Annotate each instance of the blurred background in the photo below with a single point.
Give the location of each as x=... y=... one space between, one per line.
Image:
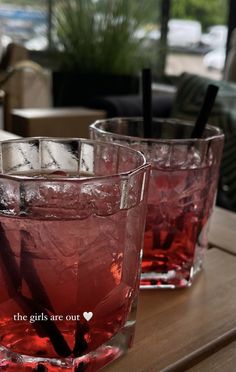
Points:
x=176 y=36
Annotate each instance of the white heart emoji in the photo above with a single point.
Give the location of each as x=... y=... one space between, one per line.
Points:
x=88 y=315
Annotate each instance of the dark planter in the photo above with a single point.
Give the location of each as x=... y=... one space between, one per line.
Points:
x=75 y=89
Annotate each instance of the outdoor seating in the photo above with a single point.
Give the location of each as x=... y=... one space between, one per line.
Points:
x=25 y=83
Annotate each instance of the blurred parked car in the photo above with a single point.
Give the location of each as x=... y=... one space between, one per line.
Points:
x=216 y=36
x=215 y=59
x=6 y=40
x=37 y=43
x=181 y=33
x=184 y=33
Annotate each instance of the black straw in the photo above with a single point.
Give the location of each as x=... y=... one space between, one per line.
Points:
x=205 y=111
x=147 y=101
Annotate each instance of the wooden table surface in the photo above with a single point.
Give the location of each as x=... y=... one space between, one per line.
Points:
x=222 y=232
x=191 y=329
x=222 y=361
x=195 y=328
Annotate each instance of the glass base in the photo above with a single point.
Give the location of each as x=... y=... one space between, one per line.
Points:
x=181 y=278
x=169 y=280
x=91 y=362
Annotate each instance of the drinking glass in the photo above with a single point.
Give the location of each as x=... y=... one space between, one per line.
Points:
x=181 y=195
x=72 y=217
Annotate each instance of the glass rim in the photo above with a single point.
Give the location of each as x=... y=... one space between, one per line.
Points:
x=184 y=141
x=123 y=174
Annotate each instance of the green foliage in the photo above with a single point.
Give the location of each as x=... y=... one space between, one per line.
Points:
x=24 y=2
x=98 y=39
x=145 y=11
x=207 y=12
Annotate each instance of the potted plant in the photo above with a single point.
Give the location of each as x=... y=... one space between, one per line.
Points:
x=100 y=54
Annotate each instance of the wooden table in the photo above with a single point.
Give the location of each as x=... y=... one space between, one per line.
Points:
x=222 y=233
x=191 y=329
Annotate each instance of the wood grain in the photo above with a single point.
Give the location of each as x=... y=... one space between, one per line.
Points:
x=222 y=232
x=224 y=360
x=173 y=324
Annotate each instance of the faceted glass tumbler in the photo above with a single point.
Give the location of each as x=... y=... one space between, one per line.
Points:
x=183 y=182
x=72 y=217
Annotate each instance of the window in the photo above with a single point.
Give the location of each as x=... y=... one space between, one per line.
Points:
x=177 y=35
x=197 y=37
x=24 y=22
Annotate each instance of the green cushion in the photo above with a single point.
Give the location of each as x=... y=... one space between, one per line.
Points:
x=189 y=97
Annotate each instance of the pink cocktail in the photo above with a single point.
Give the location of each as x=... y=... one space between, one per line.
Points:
x=182 y=189
x=71 y=230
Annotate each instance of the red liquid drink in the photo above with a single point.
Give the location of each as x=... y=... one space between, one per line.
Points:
x=73 y=258
x=181 y=194
x=70 y=264
x=179 y=206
